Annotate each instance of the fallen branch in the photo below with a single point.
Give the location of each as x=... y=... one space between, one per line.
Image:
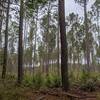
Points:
x=41 y=98
x=67 y=94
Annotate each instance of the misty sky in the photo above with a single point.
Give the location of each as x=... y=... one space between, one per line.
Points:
x=71 y=6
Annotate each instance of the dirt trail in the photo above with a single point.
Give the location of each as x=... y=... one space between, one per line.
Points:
x=55 y=94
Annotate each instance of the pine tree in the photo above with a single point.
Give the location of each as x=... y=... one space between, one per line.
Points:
x=64 y=49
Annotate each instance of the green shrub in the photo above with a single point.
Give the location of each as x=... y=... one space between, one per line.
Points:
x=35 y=81
x=28 y=80
x=84 y=76
x=57 y=81
x=88 y=82
x=72 y=78
x=52 y=81
x=38 y=80
x=89 y=85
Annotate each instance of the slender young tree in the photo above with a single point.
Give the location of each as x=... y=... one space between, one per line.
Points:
x=64 y=49
x=1 y=17
x=58 y=46
x=35 y=37
x=47 y=44
x=97 y=5
x=6 y=42
x=86 y=31
x=58 y=50
x=0 y=33
x=87 y=36
x=20 y=45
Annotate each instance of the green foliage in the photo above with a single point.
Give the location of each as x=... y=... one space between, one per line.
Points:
x=28 y=80
x=72 y=77
x=35 y=81
x=52 y=81
x=88 y=82
x=32 y=4
x=89 y=85
x=38 y=80
x=84 y=76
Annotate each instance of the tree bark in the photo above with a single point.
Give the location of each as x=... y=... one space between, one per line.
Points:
x=98 y=28
x=64 y=47
x=1 y=18
x=87 y=36
x=6 y=42
x=20 y=45
x=58 y=49
x=47 y=44
x=35 y=39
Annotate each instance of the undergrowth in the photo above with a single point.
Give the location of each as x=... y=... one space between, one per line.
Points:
x=38 y=80
x=89 y=81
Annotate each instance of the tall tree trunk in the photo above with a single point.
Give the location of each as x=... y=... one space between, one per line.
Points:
x=25 y=39
x=1 y=20
x=92 y=62
x=79 y=60
x=20 y=45
x=1 y=16
x=58 y=51
x=34 y=58
x=64 y=47
x=31 y=51
x=6 y=42
x=87 y=36
x=47 y=44
x=98 y=29
x=0 y=33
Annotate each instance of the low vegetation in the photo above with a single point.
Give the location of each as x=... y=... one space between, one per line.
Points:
x=48 y=52
x=9 y=90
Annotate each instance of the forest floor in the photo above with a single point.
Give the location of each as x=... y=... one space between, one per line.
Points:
x=9 y=90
